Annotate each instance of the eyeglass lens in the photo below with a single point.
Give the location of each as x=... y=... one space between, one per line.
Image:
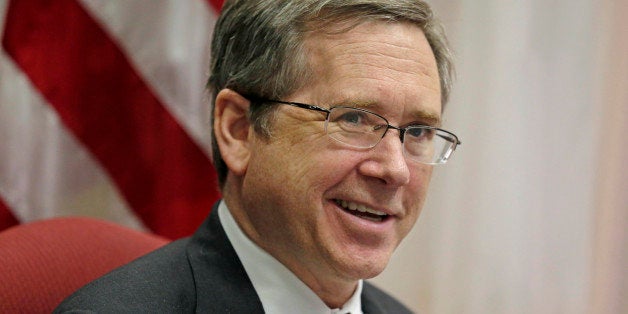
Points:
x=363 y=129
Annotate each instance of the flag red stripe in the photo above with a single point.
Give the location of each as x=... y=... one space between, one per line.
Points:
x=6 y=217
x=216 y=4
x=83 y=74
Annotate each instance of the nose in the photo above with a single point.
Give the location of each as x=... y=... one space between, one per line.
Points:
x=387 y=162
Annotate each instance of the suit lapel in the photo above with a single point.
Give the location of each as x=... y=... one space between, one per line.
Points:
x=222 y=285
x=370 y=305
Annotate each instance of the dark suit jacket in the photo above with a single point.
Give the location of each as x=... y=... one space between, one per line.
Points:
x=201 y=274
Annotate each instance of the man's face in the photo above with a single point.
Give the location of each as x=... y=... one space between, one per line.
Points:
x=297 y=182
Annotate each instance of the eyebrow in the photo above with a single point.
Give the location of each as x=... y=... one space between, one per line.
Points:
x=427 y=118
x=421 y=116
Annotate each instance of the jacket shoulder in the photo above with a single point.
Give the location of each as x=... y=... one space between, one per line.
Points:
x=159 y=282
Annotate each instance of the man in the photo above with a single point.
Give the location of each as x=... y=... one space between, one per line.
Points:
x=326 y=117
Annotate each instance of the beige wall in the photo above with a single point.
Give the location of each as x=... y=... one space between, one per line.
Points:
x=531 y=214
x=610 y=273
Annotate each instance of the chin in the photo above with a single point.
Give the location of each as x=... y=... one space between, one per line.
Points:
x=364 y=267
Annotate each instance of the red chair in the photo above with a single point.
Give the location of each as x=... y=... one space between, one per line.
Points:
x=41 y=263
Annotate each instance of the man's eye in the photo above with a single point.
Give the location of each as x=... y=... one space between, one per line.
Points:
x=418 y=132
x=355 y=118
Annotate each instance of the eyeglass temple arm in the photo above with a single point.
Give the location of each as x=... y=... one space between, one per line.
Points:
x=291 y=103
x=300 y=105
x=456 y=141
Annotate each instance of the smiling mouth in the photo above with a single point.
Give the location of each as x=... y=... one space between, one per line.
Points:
x=362 y=211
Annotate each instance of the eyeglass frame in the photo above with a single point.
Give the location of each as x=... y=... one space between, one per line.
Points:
x=402 y=130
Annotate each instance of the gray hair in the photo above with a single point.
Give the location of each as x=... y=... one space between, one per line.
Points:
x=257 y=49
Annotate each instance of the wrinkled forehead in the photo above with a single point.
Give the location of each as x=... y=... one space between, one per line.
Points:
x=374 y=64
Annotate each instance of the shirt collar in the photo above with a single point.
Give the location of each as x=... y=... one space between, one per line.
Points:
x=277 y=287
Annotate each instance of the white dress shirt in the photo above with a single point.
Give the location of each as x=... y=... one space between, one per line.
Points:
x=277 y=287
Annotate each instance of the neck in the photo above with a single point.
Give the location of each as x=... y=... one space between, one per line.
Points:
x=333 y=290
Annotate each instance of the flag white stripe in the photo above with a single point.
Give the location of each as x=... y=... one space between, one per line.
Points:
x=44 y=171
x=167 y=42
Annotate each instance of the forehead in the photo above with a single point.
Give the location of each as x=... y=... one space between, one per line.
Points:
x=381 y=65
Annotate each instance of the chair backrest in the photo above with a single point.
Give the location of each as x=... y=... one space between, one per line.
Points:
x=43 y=262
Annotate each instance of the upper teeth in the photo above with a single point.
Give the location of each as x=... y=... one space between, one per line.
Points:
x=360 y=208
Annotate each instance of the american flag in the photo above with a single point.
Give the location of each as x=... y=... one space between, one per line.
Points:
x=103 y=112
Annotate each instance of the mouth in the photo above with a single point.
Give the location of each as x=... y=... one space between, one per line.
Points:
x=362 y=211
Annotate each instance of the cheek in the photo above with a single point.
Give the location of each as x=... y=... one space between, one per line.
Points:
x=421 y=177
x=317 y=164
x=294 y=170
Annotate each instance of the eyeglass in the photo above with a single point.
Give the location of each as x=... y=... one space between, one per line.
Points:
x=360 y=128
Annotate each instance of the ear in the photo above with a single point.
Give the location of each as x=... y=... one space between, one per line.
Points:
x=231 y=129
